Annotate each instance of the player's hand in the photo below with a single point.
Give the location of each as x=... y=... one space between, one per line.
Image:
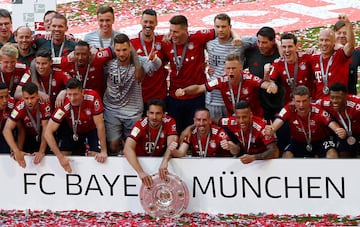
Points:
x=237 y=41
x=146 y=179
x=211 y=71
x=341 y=133
x=44 y=97
x=65 y=163
x=225 y=144
x=59 y=102
x=163 y=171
x=344 y=17
x=180 y=92
x=153 y=54
x=247 y=158
x=272 y=89
x=101 y=157
x=19 y=157
x=269 y=130
x=38 y=156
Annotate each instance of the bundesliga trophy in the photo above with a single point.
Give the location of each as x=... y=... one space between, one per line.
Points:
x=168 y=198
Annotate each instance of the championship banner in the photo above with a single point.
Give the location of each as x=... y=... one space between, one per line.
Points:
x=31 y=13
x=215 y=185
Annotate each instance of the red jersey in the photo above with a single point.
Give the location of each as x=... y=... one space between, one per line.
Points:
x=154 y=85
x=253 y=141
x=319 y=120
x=352 y=110
x=95 y=76
x=193 y=64
x=303 y=77
x=4 y=114
x=13 y=79
x=249 y=91
x=58 y=83
x=19 y=113
x=214 y=149
x=83 y=114
x=338 y=71
x=146 y=136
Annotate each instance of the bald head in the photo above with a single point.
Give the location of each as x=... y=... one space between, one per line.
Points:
x=326 y=42
x=23 y=37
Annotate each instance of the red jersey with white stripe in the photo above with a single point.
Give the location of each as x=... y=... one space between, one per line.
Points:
x=214 y=149
x=58 y=83
x=4 y=114
x=338 y=71
x=352 y=109
x=154 y=85
x=193 y=68
x=145 y=135
x=249 y=91
x=19 y=113
x=13 y=79
x=95 y=78
x=303 y=77
x=319 y=120
x=256 y=135
x=90 y=106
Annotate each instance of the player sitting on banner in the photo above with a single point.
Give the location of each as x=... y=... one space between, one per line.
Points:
x=83 y=113
x=205 y=139
x=30 y=116
x=248 y=131
x=153 y=135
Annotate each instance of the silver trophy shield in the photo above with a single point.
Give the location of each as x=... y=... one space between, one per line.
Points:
x=168 y=198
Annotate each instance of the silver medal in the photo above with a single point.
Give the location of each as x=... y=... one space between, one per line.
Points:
x=75 y=137
x=309 y=147
x=37 y=138
x=326 y=90
x=351 y=140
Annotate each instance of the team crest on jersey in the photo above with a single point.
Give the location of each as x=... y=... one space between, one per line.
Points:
x=14 y=114
x=302 y=66
x=157 y=46
x=59 y=114
x=212 y=144
x=173 y=127
x=97 y=105
x=191 y=46
x=135 y=131
x=88 y=112
x=139 y=51
x=53 y=83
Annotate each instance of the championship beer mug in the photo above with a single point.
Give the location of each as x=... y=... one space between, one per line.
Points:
x=168 y=198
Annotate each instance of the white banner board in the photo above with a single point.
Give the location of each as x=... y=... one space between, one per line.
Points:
x=216 y=185
x=30 y=12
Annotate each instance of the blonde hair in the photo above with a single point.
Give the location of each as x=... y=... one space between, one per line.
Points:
x=9 y=50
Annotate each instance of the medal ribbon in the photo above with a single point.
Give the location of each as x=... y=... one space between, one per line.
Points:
x=152 y=148
x=36 y=124
x=292 y=83
x=325 y=75
x=203 y=153
x=176 y=60
x=249 y=140
x=73 y=122
x=53 y=49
